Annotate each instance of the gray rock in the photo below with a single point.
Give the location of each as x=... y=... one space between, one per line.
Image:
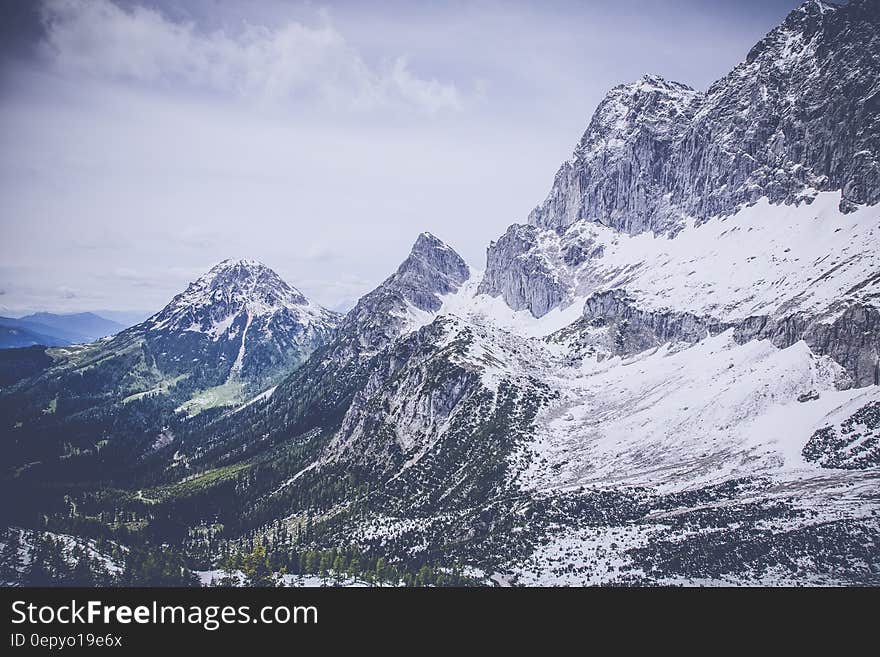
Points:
x=852 y=338
x=801 y=113
x=522 y=273
x=632 y=329
x=619 y=173
x=431 y=270
x=411 y=390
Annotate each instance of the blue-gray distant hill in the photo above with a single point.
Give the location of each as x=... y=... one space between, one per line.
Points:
x=55 y=330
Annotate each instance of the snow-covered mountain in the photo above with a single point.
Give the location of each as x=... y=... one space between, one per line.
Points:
x=753 y=204
x=670 y=373
x=241 y=317
x=798 y=116
x=233 y=333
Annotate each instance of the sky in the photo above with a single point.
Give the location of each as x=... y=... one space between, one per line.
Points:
x=143 y=141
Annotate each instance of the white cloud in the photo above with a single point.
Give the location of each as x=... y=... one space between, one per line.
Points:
x=293 y=62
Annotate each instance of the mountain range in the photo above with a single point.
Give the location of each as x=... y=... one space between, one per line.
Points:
x=54 y=330
x=669 y=374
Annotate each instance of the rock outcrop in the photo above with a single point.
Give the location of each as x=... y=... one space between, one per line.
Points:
x=852 y=338
x=431 y=270
x=801 y=113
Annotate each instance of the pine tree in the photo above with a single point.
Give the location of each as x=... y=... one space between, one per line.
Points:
x=229 y=567
x=256 y=568
x=325 y=564
x=425 y=576
x=381 y=570
x=354 y=567
x=338 y=568
x=10 y=557
x=82 y=575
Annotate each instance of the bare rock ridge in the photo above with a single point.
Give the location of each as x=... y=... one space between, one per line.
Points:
x=801 y=113
x=852 y=339
x=431 y=270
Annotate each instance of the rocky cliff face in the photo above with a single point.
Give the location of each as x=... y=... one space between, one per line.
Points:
x=851 y=339
x=797 y=122
x=520 y=271
x=801 y=113
x=408 y=296
x=618 y=174
x=613 y=322
x=410 y=393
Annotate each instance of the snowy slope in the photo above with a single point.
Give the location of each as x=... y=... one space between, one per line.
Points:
x=764 y=260
x=678 y=417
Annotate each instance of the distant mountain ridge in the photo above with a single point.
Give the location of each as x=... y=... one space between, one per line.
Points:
x=13 y=336
x=54 y=330
x=87 y=325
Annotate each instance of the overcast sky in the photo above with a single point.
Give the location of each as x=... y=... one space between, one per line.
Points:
x=142 y=142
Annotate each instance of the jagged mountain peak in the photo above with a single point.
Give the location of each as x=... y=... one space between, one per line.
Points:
x=241 y=266
x=650 y=104
x=231 y=287
x=818 y=8
x=243 y=317
x=432 y=268
x=428 y=241
x=253 y=276
x=429 y=245
x=239 y=262
x=651 y=82
x=435 y=253
x=407 y=298
x=793 y=39
x=798 y=115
